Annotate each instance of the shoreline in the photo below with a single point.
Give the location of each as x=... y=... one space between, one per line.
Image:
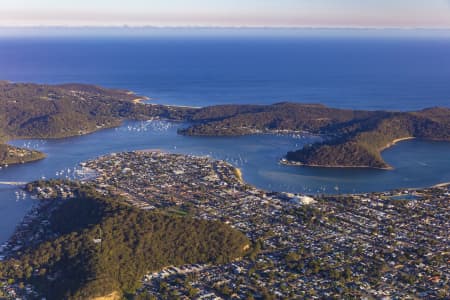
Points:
x=394 y=142
x=440 y=185
x=271 y=208
x=299 y=164
x=183 y=106
x=26 y=156
x=276 y=132
x=42 y=154
x=173 y=105
x=286 y=162
x=42 y=157
x=141 y=99
x=238 y=173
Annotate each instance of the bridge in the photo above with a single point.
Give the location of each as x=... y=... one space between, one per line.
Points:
x=13 y=183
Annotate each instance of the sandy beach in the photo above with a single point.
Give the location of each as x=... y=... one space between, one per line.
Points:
x=396 y=141
x=444 y=184
x=141 y=99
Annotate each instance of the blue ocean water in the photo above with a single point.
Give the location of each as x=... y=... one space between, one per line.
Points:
x=416 y=163
x=352 y=72
x=348 y=72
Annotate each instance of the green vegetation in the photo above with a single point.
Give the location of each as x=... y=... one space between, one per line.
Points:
x=354 y=138
x=104 y=246
x=13 y=155
x=248 y=119
x=56 y=111
x=359 y=144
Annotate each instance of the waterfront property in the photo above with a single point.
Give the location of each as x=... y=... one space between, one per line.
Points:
x=362 y=245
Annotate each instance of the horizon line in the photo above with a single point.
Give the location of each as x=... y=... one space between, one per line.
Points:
x=223 y=27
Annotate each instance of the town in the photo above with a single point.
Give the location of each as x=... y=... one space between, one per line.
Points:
x=389 y=244
x=379 y=245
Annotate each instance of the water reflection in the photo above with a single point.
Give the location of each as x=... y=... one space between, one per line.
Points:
x=417 y=163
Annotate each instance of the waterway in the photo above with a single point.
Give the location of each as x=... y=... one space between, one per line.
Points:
x=416 y=163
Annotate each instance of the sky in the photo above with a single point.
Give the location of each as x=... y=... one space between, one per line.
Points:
x=227 y=13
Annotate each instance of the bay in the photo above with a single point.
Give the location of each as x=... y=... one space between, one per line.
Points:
x=416 y=163
x=347 y=72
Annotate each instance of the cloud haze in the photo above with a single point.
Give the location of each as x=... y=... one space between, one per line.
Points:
x=272 y=13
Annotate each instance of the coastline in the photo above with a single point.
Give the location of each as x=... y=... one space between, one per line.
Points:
x=173 y=105
x=43 y=155
x=238 y=174
x=286 y=162
x=272 y=211
x=440 y=185
x=40 y=157
x=18 y=155
x=394 y=142
x=140 y=100
x=298 y=164
x=248 y=131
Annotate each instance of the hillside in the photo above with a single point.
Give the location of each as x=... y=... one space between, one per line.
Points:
x=361 y=144
x=353 y=138
x=98 y=246
x=12 y=155
x=248 y=119
x=55 y=111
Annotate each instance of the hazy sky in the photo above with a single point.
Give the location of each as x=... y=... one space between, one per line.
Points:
x=316 y=13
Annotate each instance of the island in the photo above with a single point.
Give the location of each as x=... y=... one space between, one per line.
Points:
x=351 y=138
x=154 y=225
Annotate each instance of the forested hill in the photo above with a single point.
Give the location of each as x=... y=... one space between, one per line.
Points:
x=53 y=111
x=46 y=111
x=355 y=138
x=248 y=119
x=98 y=246
x=359 y=144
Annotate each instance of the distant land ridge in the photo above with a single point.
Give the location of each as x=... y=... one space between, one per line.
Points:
x=352 y=138
x=30 y=110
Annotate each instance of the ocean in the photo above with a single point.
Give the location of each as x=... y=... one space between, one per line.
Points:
x=348 y=72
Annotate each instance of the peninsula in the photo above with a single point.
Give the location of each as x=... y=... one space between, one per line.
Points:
x=30 y=110
x=158 y=225
x=352 y=138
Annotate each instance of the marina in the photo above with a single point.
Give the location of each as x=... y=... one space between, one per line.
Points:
x=416 y=163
